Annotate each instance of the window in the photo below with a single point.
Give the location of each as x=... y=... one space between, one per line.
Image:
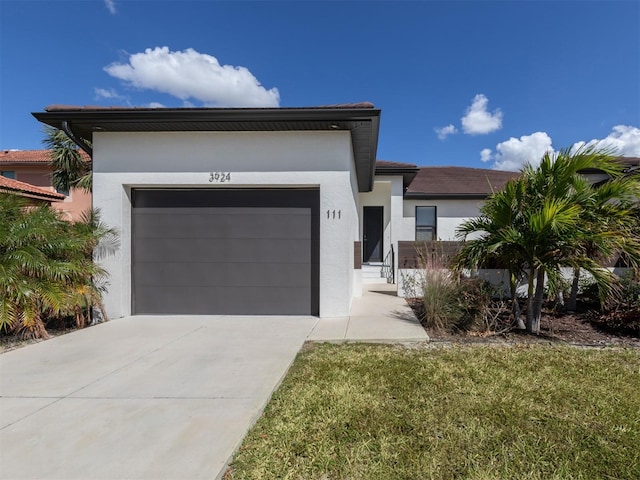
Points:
x=63 y=191
x=426 y=224
x=8 y=174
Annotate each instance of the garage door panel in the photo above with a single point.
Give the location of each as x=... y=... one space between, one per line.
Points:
x=235 y=250
x=226 y=274
x=226 y=251
x=223 y=301
x=154 y=223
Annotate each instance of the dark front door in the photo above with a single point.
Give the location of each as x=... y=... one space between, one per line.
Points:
x=372 y=239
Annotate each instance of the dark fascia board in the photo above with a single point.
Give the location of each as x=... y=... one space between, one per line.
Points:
x=445 y=196
x=363 y=123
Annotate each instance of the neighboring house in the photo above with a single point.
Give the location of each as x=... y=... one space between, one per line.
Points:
x=631 y=167
x=33 y=167
x=258 y=211
x=33 y=194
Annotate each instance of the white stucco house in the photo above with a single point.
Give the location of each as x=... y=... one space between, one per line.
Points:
x=258 y=211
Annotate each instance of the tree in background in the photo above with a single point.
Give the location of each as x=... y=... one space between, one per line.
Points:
x=552 y=217
x=71 y=169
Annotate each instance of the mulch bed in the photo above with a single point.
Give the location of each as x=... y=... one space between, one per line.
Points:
x=588 y=327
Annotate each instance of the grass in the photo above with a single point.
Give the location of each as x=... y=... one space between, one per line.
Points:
x=388 y=412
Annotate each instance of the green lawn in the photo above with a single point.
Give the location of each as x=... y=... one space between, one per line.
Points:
x=387 y=412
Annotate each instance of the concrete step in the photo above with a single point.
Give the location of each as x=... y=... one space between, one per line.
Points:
x=372 y=273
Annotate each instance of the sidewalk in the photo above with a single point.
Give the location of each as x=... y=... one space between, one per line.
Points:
x=378 y=316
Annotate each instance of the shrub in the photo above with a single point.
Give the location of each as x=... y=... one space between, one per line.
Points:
x=623 y=315
x=452 y=303
x=46 y=267
x=441 y=293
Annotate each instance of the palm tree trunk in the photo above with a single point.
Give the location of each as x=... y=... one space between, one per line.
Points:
x=102 y=309
x=530 y=299
x=572 y=304
x=534 y=326
x=515 y=305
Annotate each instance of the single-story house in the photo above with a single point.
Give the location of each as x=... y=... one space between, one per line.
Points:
x=258 y=211
x=34 y=167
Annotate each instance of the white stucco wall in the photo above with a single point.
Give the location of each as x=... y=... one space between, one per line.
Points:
x=255 y=159
x=450 y=214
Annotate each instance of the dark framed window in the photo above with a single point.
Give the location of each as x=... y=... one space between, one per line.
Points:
x=63 y=191
x=8 y=174
x=426 y=224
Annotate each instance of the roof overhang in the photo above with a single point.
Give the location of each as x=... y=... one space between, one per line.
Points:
x=445 y=196
x=408 y=173
x=362 y=122
x=31 y=196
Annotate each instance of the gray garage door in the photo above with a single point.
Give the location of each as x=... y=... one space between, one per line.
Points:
x=226 y=252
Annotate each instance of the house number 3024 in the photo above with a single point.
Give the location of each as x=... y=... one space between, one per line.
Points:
x=219 y=177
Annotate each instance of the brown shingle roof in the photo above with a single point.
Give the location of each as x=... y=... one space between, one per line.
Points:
x=457 y=182
x=25 y=157
x=9 y=185
x=630 y=161
x=76 y=108
x=389 y=164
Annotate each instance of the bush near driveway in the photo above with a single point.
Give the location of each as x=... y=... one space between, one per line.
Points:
x=388 y=412
x=46 y=267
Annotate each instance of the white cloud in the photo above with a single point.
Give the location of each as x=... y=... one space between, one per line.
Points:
x=486 y=154
x=478 y=120
x=192 y=75
x=515 y=153
x=443 y=132
x=155 y=105
x=108 y=93
x=624 y=140
x=111 y=6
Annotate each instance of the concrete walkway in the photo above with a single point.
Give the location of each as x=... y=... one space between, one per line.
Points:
x=153 y=397
x=378 y=316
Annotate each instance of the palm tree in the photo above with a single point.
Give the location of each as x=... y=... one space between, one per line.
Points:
x=46 y=266
x=498 y=219
x=98 y=241
x=32 y=274
x=610 y=208
x=71 y=169
x=537 y=224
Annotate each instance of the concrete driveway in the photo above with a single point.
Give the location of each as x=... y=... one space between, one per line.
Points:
x=141 y=397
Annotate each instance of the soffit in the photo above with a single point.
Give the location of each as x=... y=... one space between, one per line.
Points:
x=361 y=120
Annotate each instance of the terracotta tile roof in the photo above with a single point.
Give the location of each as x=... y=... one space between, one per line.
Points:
x=24 y=157
x=9 y=185
x=75 y=108
x=446 y=182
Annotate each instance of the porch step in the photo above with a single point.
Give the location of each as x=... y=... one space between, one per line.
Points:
x=372 y=273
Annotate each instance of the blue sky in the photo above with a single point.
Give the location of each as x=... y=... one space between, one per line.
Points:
x=487 y=84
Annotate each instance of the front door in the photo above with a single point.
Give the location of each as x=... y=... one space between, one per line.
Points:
x=372 y=237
